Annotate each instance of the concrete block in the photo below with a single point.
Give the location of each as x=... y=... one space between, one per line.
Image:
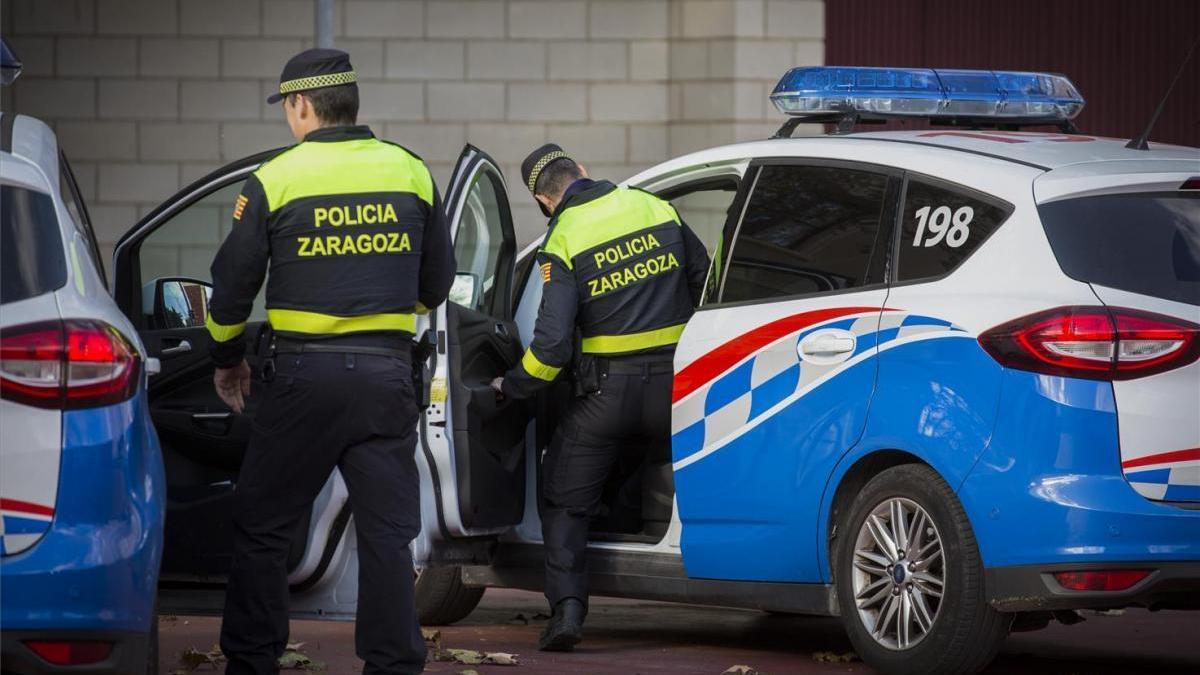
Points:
x=528 y=222
x=809 y=53
x=628 y=102
x=37 y=54
x=547 y=20
x=464 y=102
x=179 y=141
x=139 y=99
x=380 y=101
x=97 y=140
x=547 y=102
x=95 y=56
x=706 y=18
x=464 y=19
x=55 y=99
x=688 y=60
x=85 y=177
x=580 y=60
x=749 y=18
x=365 y=55
x=647 y=144
x=291 y=18
x=432 y=142
x=748 y=58
x=417 y=60
x=63 y=17
x=385 y=18
x=796 y=18
x=648 y=60
x=757 y=131
x=507 y=143
x=111 y=222
x=256 y=57
x=190 y=172
x=629 y=19
x=751 y=100
x=137 y=17
x=219 y=17
x=614 y=172
x=590 y=143
x=149 y=183
x=506 y=60
x=708 y=100
x=179 y=57
x=239 y=139
x=690 y=137
x=217 y=100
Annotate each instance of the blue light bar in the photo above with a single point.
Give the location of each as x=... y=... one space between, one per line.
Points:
x=924 y=92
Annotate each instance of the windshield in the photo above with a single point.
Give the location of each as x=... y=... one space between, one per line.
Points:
x=1140 y=243
x=31 y=251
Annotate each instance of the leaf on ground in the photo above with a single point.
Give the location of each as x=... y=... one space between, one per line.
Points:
x=468 y=657
x=167 y=618
x=740 y=670
x=294 y=646
x=469 y=671
x=500 y=659
x=193 y=658
x=831 y=657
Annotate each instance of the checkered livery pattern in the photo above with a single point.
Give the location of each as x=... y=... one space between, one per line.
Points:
x=1168 y=476
x=317 y=81
x=22 y=524
x=774 y=375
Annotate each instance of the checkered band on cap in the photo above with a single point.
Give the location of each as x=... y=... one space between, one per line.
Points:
x=541 y=164
x=317 y=81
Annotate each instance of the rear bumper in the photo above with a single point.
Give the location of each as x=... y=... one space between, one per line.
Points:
x=96 y=569
x=1171 y=585
x=129 y=652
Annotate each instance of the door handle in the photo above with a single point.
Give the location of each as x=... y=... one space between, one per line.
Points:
x=182 y=348
x=827 y=345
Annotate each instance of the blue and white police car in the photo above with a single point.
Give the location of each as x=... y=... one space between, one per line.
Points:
x=81 y=476
x=943 y=383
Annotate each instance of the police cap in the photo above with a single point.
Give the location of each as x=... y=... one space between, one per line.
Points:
x=538 y=160
x=313 y=69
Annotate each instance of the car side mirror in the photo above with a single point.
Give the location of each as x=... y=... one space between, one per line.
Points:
x=465 y=290
x=180 y=302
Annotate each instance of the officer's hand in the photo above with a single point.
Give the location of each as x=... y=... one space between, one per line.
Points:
x=233 y=385
x=498 y=385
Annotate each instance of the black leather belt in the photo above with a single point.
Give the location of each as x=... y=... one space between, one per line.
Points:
x=301 y=347
x=642 y=367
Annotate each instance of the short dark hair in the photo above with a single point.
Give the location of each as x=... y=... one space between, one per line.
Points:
x=556 y=177
x=335 y=106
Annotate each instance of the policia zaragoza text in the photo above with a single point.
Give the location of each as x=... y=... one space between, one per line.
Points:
x=352 y=244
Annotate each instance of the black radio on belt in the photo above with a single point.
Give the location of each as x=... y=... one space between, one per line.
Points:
x=423 y=348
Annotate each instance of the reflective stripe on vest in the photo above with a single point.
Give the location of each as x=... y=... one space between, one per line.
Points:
x=621 y=344
x=312 y=323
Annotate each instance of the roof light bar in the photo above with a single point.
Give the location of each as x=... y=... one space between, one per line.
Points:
x=925 y=92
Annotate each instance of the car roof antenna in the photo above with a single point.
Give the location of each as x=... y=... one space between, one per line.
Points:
x=1140 y=143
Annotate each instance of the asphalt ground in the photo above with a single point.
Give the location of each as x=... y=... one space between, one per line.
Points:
x=625 y=637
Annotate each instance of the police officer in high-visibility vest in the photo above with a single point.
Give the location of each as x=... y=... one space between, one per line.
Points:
x=352 y=231
x=622 y=274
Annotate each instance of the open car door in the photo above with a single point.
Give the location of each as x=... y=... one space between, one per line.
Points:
x=479 y=461
x=162 y=283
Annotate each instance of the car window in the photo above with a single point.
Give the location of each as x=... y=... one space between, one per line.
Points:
x=942 y=226
x=480 y=237
x=31 y=250
x=704 y=206
x=69 y=190
x=806 y=229
x=185 y=244
x=1141 y=243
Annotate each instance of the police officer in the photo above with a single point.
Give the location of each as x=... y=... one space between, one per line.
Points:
x=622 y=274
x=352 y=231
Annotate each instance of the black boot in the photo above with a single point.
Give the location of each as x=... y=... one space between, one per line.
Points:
x=565 y=629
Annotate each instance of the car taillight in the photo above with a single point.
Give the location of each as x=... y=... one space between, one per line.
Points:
x=79 y=363
x=70 y=652
x=1099 y=343
x=1100 y=580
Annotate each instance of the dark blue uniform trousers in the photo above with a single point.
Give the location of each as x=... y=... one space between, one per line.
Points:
x=355 y=412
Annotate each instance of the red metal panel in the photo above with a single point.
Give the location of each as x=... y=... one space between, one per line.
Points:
x=1121 y=54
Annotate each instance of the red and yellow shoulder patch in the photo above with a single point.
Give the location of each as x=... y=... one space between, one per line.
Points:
x=239 y=206
x=545 y=272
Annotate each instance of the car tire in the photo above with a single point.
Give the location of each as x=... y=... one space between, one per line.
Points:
x=442 y=597
x=955 y=632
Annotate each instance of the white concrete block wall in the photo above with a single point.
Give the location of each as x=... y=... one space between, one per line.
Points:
x=148 y=95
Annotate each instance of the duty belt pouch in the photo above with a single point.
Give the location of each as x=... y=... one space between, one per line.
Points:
x=264 y=352
x=422 y=349
x=586 y=375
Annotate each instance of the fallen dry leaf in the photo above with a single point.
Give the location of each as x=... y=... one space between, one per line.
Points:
x=741 y=670
x=193 y=658
x=830 y=657
x=469 y=671
x=500 y=659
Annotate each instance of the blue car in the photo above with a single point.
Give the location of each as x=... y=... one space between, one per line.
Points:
x=82 y=484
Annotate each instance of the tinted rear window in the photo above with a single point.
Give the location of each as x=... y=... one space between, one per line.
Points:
x=1141 y=243
x=31 y=251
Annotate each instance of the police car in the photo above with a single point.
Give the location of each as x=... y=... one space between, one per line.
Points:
x=943 y=383
x=81 y=487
